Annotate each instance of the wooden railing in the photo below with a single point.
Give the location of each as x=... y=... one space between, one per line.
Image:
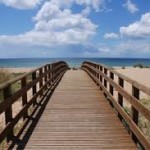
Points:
x=110 y=81
x=36 y=82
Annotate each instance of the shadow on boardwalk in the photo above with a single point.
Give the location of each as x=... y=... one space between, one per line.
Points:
x=22 y=138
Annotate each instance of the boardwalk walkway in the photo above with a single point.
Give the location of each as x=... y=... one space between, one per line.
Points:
x=78 y=117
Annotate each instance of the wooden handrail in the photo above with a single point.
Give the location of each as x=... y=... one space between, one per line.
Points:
x=104 y=76
x=140 y=86
x=46 y=76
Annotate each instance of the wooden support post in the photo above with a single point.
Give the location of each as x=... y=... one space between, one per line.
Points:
x=101 y=78
x=97 y=74
x=120 y=97
x=95 y=66
x=8 y=113
x=49 y=75
x=24 y=95
x=41 y=80
x=34 y=90
x=45 y=71
x=52 y=68
x=93 y=70
x=135 y=113
x=111 y=88
x=105 y=81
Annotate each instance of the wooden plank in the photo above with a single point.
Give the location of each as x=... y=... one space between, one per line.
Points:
x=130 y=122
x=55 y=147
x=78 y=117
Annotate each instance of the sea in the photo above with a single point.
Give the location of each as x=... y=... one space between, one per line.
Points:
x=72 y=62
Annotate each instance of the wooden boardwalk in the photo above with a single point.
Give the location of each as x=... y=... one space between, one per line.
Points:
x=78 y=117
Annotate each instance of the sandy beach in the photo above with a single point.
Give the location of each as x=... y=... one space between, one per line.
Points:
x=17 y=70
x=141 y=75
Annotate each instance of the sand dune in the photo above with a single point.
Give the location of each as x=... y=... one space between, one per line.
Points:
x=141 y=75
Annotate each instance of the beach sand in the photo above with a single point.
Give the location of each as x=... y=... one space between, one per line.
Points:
x=141 y=75
x=18 y=70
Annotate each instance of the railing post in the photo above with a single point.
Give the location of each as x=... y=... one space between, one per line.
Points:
x=135 y=113
x=95 y=66
x=111 y=89
x=105 y=81
x=98 y=67
x=120 y=97
x=24 y=95
x=97 y=73
x=93 y=72
x=49 y=74
x=34 y=90
x=41 y=80
x=8 y=113
x=45 y=71
x=101 y=78
x=52 y=67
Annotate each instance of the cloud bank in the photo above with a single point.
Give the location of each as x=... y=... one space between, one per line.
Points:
x=138 y=29
x=56 y=24
x=21 y=4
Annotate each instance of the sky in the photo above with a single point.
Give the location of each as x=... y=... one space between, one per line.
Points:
x=74 y=28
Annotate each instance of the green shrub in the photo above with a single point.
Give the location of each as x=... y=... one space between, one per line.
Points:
x=4 y=76
x=139 y=65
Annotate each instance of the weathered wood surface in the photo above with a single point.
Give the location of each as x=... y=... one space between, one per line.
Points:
x=104 y=76
x=78 y=117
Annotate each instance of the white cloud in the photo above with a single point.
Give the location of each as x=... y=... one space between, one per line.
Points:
x=55 y=23
x=21 y=4
x=61 y=25
x=55 y=26
x=94 y=4
x=133 y=48
x=130 y=48
x=131 y=7
x=138 y=29
x=111 y=36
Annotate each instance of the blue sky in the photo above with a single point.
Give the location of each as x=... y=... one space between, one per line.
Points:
x=74 y=28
